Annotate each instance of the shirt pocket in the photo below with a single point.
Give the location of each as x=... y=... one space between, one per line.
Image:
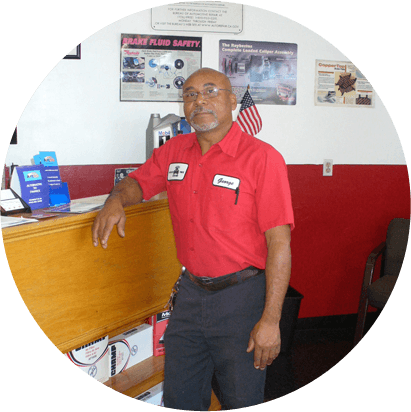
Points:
x=177 y=193
x=226 y=210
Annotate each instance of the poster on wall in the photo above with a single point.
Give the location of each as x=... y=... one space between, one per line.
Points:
x=120 y=174
x=341 y=84
x=154 y=68
x=270 y=69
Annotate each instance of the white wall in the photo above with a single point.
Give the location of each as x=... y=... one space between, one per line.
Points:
x=76 y=111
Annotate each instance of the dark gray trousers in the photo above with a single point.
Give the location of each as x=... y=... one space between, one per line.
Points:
x=209 y=332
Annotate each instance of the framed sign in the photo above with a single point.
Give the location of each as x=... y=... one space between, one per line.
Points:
x=270 y=69
x=154 y=68
x=205 y=16
x=14 y=137
x=341 y=84
x=75 y=53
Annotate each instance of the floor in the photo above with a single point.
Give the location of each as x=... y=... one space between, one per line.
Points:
x=308 y=358
x=310 y=354
x=304 y=363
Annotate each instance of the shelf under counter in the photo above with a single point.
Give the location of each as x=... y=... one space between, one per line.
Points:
x=139 y=378
x=143 y=376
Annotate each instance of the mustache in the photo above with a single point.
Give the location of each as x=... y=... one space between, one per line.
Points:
x=201 y=110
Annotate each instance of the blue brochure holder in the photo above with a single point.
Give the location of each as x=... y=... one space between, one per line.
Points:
x=59 y=195
x=30 y=183
x=58 y=190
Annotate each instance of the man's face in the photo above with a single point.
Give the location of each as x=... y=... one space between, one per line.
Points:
x=209 y=114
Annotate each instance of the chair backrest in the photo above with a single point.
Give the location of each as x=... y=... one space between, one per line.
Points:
x=397 y=238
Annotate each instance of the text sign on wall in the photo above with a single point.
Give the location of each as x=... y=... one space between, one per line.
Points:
x=207 y=16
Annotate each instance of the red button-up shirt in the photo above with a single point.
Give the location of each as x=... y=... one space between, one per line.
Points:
x=220 y=203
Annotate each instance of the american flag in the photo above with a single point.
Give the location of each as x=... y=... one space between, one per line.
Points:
x=248 y=117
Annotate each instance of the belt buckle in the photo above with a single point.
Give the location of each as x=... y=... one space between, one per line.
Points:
x=206 y=280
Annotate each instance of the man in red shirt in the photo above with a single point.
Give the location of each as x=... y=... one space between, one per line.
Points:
x=231 y=210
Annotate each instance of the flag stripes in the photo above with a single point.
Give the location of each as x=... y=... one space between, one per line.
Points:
x=250 y=121
x=248 y=118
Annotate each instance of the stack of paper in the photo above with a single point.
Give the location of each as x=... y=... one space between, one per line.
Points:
x=7 y=221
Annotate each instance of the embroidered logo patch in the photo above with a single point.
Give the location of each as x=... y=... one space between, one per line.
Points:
x=177 y=171
x=226 y=181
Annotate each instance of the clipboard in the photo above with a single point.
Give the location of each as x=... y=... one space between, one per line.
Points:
x=12 y=203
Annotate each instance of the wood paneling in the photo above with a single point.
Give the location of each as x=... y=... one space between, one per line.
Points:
x=78 y=293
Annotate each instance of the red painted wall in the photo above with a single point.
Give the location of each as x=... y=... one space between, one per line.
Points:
x=339 y=220
x=89 y=180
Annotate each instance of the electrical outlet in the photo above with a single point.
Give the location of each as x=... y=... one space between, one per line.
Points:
x=328 y=167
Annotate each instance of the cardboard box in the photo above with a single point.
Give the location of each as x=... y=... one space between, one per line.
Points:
x=159 y=322
x=92 y=359
x=130 y=348
x=154 y=395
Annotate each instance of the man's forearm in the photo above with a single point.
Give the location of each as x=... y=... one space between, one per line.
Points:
x=265 y=337
x=127 y=191
x=278 y=271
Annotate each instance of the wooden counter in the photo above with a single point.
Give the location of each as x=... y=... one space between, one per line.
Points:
x=78 y=293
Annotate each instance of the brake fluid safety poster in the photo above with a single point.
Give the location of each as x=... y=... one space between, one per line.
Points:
x=269 y=68
x=154 y=68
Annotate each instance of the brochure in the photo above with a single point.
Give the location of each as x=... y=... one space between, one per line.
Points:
x=75 y=208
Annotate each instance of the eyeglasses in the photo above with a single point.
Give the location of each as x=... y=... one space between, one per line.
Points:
x=207 y=93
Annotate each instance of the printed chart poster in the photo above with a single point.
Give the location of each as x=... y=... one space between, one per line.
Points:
x=120 y=174
x=154 y=68
x=341 y=84
x=269 y=68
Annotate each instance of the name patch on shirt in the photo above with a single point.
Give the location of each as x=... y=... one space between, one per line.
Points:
x=177 y=171
x=226 y=181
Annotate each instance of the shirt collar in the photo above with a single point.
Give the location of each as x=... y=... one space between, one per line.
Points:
x=230 y=142
x=228 y=145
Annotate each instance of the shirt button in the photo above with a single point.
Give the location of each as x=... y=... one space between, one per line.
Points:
x=192 y=220
x=200 y=165
x=195 y=192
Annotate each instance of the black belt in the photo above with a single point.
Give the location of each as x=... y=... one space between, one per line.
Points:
x=219 y=283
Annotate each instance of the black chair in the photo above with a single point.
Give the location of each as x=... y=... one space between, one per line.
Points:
x=376 y=293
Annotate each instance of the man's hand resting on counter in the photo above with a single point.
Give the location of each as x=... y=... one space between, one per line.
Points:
x=111 y=214
x=126 y=193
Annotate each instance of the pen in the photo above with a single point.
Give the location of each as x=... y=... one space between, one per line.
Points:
x=237 y=191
